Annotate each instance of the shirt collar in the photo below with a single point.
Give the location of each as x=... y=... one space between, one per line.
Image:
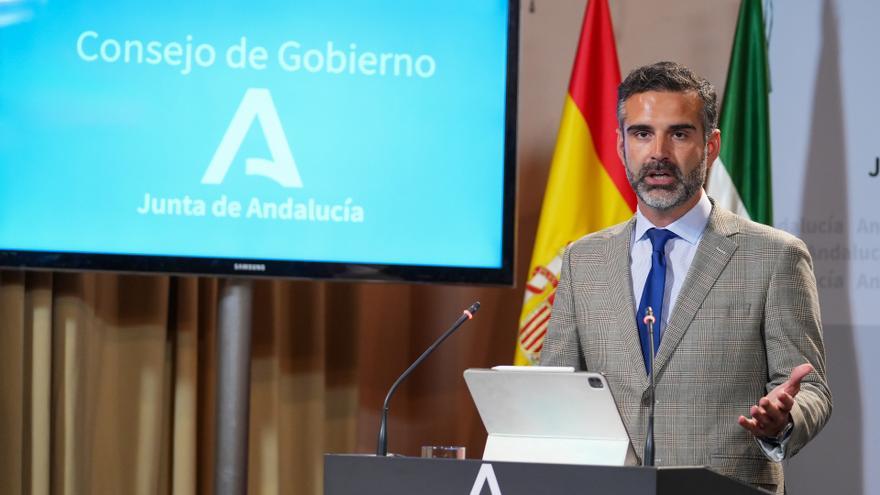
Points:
x=689 y=227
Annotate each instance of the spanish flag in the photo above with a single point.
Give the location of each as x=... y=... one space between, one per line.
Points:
x=587 y=189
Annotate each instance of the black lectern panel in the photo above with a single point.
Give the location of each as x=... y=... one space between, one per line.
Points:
x=361 y=474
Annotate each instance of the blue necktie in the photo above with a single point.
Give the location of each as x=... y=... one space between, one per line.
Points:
x=652 y=294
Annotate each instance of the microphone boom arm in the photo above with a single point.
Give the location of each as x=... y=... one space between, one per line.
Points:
x=382 y=447
x=649 y=436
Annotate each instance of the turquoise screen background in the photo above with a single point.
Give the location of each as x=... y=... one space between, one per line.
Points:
x=105 y=153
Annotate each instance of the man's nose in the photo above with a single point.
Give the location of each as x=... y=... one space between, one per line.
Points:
x=660 y=149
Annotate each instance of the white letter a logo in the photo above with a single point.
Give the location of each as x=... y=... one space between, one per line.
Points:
x=484 y=477
x=257 y=103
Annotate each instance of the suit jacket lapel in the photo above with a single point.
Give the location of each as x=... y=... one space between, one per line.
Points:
x=712 y=256
x=624 y=304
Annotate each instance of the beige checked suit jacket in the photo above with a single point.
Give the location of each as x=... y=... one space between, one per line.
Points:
x=748 y=313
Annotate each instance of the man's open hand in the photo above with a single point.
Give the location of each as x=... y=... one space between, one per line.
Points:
x=773 y=411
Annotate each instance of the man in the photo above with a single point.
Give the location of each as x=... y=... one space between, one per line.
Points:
x=739 y=361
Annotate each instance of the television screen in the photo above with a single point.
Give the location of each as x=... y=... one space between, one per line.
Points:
x=335 y=139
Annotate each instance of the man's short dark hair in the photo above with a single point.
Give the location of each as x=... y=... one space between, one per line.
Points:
x=673 y=77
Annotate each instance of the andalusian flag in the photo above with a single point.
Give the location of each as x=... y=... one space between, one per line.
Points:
x=740 y=177
x=587 y=189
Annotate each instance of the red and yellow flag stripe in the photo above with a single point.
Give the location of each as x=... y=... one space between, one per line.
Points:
x=587 y=189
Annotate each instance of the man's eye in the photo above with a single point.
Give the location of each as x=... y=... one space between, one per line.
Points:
x=679 y=135
x=642 y=134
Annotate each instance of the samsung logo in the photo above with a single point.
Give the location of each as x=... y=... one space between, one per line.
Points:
x=249 y=267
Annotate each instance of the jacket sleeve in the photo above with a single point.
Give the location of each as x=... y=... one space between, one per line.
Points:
x=793 y=336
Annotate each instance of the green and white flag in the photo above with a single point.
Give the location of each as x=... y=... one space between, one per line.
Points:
x=740 y=178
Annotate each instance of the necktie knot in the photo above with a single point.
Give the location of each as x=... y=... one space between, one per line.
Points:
x=659 y=237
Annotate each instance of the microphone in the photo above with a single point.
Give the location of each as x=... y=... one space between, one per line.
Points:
x=649 y=435
x=382 y=448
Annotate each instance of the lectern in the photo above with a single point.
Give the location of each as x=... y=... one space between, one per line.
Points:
x=367 y=474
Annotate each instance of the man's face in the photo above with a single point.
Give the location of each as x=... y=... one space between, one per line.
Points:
x=663 y=148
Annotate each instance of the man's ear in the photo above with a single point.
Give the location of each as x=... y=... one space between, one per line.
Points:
x=621 y=152
x=713 y=146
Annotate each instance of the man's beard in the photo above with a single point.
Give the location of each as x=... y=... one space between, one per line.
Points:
x=667 y=197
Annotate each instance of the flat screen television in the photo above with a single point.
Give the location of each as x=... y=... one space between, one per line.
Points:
x=346 y=139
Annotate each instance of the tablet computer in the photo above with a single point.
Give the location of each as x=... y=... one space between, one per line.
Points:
x=557 y=415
